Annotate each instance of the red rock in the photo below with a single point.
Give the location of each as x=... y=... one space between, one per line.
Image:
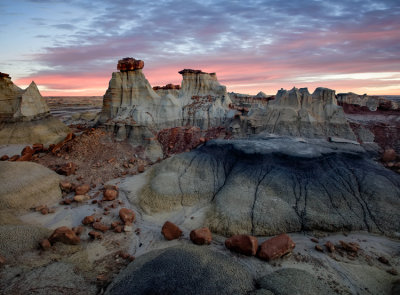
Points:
x=114 y=224
x=100 y=226
x=27 y=150
x=201 y=236
x=4 y=158
x=67 y=169
x=95 y=235
x=276 y=247
x=389 y=155
x=350 y=247
x=64 y=235
x=118 y=229
x=37 y=148
x=130 y=64
x=26 y=157
x=39 y=208
x=110 y=195
x=127 y=215
x=70 y=136
x=171 y=231
x=45 y=244
x=81 y=198
x=78 y=230
x=14 y=158
x=45 y=211
x=67 y=202
x=314 y=240
x=243 y=244
x=65 y=186
x=319 y=248
x=140 y=169
x=88 y=220
x=2 y=260
x=82 y=189
x=329 y=245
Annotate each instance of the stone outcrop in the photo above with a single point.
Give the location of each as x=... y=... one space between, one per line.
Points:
x=371 y=103
x=266 y=186
x=130 y=64
x=183 y=270
x=298 y=113
x=25 y=116
x=135 y=112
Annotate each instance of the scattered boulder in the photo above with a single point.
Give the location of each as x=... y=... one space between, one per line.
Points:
x=110 y=195
x=66 y=186
x=4 y=158
x=330 y=246
x=350 y=247
x=81 y=198
x=171 y=231
x=201 y=236
x=82 y=189
x=88 y=220
x=319 y=248
x=127 y=215
x=45 y=244
x=389 y=155
x=100 y=226
x=66 y=169
x=95 y=235
x=182 y=270
x=243 y=244
x=276 y=247
x=64 y=235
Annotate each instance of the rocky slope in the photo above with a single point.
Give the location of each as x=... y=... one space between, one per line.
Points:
x=25 y=116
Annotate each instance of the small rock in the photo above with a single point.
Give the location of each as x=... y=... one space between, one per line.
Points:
x=389 y=155
x=37 y=148
x=4 y=158
x=81 y=198
x=319 y=248
x=78 y=230
x=45 y=244
x=45 y=211
x=350 y=247
x=383 y=260
x=110 y=195
x=276 y=247
x=127 y=215
x=40 y=208
x=66 y=186
x=67 y=202
x=82 y=189
x=64 y=235
x=140 y=169
x=170 y=231
x=67 y=169
x=88 y=220
x=128 y=228
x=392 y=271
x=14 y=158
x=114 y=224
x=329 y=245
x=118 y=229
x=201 y=236
x=95 y=235
x=100 y=226
x=314 y=240
x=243 y=244
x=2 y=261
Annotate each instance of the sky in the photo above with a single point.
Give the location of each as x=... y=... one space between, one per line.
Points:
x=72 y=47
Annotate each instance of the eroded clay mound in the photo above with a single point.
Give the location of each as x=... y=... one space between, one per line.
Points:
x=25 y=185
x=183 y=270
x=266 y=186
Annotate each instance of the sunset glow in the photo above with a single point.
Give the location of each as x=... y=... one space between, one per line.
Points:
x=72 y=48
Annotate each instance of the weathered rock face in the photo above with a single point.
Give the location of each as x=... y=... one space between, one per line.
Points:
x=372 y=103
x=25 y=116
x=266 y=186
x=298 y=113
x=134 y=111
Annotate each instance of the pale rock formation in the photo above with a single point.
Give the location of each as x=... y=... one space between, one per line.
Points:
x=134 y=111
x=371 y=102
x=298 y=113
x=261 y=95
x=25 y=116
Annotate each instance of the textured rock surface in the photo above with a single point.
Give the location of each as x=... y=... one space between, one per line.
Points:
x=25 y=185
x=25 y=116
x=171 y=231
x=17 y=239
x=298 y=113
x=266 y=186
x=183 y=270
x=276 y=247
x=290 y=281
x=371 y=102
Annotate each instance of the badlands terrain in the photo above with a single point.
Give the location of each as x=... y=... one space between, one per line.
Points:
x=189 y=189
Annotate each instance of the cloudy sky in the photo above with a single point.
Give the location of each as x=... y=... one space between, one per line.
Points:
x=72 y=47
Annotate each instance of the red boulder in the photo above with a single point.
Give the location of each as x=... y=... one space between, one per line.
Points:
x=243 y=244
x=201 y=236
x=276 y=247
x=64 y=235
x=82 y=189
x=171 y=231
x=127 y=215
x=110 y=195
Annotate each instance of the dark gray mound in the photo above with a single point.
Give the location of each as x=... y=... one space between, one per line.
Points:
x=183 y=270
x=290 y=281
x=267 y=186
